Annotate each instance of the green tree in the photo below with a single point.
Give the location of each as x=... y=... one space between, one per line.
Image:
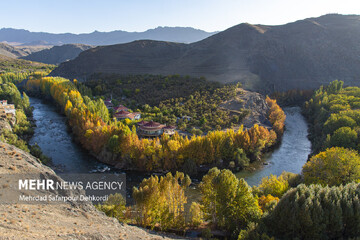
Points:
x=227 y=201
x=337 y=121
x=334 y=166
x=344 y=137
x=241 y=159
x=114 y=144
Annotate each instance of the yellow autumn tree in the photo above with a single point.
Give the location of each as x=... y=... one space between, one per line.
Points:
x=267 y=202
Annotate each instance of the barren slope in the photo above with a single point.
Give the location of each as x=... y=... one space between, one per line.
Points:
x=57 y=54
x=55 y=221
x=303 y=54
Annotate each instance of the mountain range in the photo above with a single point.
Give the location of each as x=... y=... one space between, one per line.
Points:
x=96 y=38
x=303 y=54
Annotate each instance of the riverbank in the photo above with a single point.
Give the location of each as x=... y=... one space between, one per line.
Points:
x=290 y=155
x=53 y=136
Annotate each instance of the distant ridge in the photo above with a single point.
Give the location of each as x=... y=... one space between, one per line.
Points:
x=18 y=51
x=10 y=51
x=303 y=54
x=173 y=34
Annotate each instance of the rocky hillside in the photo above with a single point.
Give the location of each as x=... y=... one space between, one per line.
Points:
x=19 y=51
x=70 y=220
x=302 y=54
x=255 y=105
x=55 y=221
x=11 y=51
x=58 y=54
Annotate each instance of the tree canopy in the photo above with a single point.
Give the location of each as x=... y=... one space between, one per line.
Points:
x=334 y=166
x=316 y=212
x=228 y=201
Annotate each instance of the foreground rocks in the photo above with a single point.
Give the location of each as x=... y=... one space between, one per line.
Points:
x=56 y=221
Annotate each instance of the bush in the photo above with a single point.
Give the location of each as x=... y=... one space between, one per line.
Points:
x=114 y=207
x=241 y=159
x=36 y=151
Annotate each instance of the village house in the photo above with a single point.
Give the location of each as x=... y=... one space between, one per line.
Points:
x=121 y=108
x=108 y=104
x=169 y=130
x=154 y=129
x=122 y=114
x=8 y=111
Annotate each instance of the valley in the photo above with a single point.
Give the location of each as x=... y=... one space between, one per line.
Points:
x=52 y=135
x=239 y=134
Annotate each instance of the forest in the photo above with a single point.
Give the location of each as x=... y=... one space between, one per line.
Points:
x=167 y=99
x=335 y=116
x=146 y=89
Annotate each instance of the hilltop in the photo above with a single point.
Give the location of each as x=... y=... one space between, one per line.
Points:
x=8 y=64
x=19 y=51
x=58 y=54
x=303 y=54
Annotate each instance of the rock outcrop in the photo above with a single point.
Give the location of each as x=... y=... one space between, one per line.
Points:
x=254 y=103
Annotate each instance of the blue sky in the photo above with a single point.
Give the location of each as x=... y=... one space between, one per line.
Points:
x=81 y=16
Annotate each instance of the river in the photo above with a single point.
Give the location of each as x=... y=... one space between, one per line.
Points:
x=56 y=141
x=292 y=153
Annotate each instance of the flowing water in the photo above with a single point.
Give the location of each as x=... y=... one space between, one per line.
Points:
x=56 y=141
x=292 y=153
